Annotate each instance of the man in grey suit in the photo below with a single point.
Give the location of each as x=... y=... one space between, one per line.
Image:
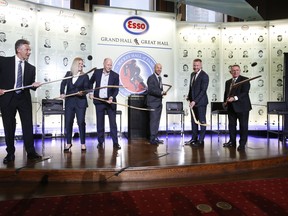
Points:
x=154 y=101
x=198 y=101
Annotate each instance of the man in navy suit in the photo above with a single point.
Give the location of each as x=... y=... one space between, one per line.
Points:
x=198 y=101
x=13 y=101
x=154 y=101
x=238 y=105
x=76 y=104
x=107 y=100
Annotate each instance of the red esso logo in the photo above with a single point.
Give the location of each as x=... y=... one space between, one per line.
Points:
x=136 y=25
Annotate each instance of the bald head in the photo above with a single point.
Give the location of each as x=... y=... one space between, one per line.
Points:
x=107 y=64
x=158 y=68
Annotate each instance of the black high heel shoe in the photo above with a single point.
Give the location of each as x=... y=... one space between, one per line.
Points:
x=68 y=149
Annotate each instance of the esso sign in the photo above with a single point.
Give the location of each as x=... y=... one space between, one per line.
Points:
x=136 y=25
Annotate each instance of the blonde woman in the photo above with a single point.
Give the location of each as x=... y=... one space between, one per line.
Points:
x=76 y=104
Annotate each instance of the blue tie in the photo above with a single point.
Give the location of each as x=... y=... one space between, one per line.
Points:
x=19 y=77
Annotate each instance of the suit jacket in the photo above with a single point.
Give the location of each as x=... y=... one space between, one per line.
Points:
x=243 y=103
x=198 y=89
x=154 y=93
x=82 y=83
x=7 y=78
x=113 y=80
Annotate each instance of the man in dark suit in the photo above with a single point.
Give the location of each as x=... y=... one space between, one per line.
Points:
x=154 y=101
x=75 y=104
x=238 y=105
x=198 y=101
x=107 y=100
x=15 y=71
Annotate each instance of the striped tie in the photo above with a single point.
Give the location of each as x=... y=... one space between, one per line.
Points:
x=19 y=77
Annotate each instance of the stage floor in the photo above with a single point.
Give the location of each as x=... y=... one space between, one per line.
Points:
x=139 y=153
x=138 y=165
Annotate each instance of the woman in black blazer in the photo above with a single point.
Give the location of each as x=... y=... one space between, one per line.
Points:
x=76 y=104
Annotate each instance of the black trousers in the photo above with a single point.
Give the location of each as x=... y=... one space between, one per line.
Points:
x=100 y=115
x=154 y=121
x=19 y=103
x=243 y=118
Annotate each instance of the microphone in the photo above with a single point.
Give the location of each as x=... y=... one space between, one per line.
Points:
x=253 y=64
x=165 y=75
x=89 y=57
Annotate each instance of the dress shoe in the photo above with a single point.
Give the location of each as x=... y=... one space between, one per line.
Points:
x=241 y=148
x=198 y=144
x=100 y=145
x=33 y=156
x=9 y=158
x=116 y=146
x=229 y=144
x=83 y=148
x=67 y=147
x=159 y=141
x=190 y=142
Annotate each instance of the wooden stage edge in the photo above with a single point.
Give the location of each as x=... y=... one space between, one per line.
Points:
x=138 y=174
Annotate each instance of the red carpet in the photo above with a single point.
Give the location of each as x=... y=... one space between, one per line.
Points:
x=257 y=197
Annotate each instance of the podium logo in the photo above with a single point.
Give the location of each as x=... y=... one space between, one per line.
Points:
x=136 y=25
x=134 y=68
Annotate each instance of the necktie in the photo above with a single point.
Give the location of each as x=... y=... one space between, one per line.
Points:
x=19 y=77
x=194 y=78
x=160 y=82
x=232 y=83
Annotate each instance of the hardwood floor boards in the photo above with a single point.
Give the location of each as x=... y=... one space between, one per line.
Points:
x=138 y=165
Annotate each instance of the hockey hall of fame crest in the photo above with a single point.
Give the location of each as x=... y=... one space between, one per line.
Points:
x=134 y=68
